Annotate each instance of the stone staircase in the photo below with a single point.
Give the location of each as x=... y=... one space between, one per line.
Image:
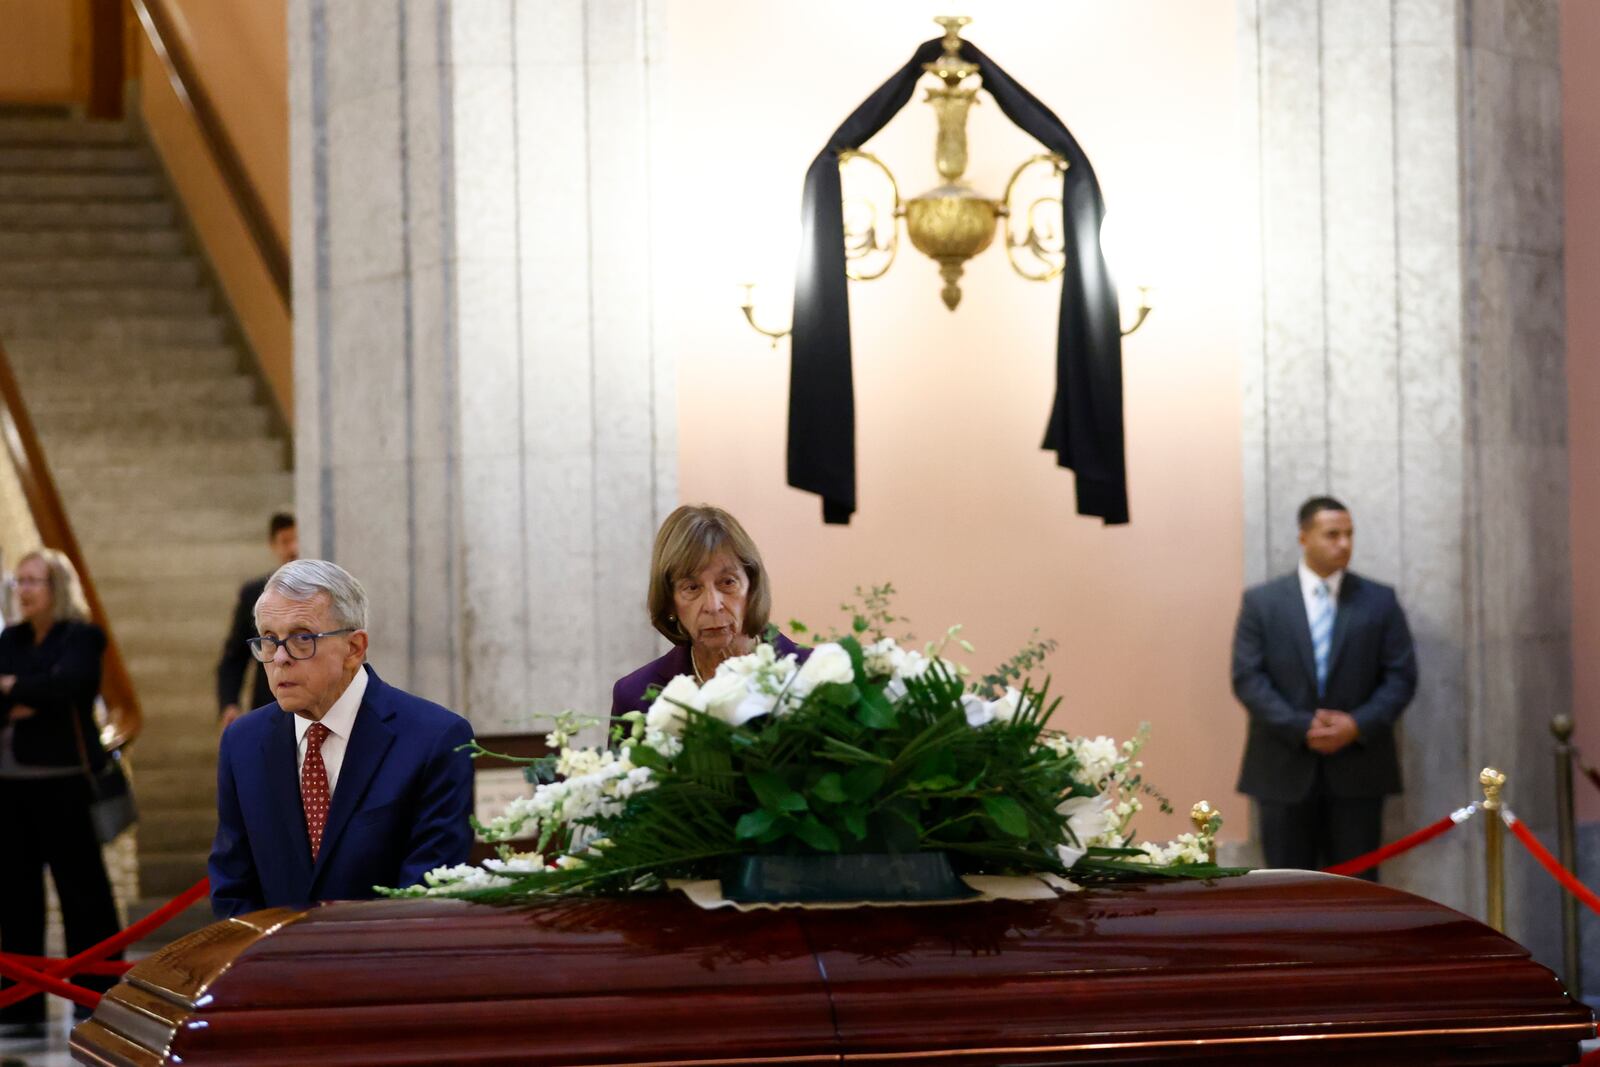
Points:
x=159 y=432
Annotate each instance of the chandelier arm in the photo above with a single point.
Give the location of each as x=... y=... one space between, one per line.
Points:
x=1032 y=240
x=1145 y=307
x=863 y=247
x=749 y=309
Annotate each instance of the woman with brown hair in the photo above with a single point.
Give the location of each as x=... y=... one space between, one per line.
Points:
x=709 y=595
x=49 y=679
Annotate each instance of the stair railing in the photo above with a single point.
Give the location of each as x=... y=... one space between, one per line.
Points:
x=55 y=531
x=158 y=27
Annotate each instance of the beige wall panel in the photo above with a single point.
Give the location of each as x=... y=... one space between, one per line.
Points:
x=38 y=64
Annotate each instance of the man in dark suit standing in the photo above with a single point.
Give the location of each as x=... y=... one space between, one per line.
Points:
x=1323 y=663
x=284 y=540
x=342 y=783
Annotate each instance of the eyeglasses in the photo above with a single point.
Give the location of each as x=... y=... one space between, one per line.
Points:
x=299 y=646
x=18 y=583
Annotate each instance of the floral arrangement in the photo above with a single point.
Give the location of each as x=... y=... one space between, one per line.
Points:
x=866 y=747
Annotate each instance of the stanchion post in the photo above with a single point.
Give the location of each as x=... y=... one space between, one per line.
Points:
x=1202 y=815
x=1494 y=860
x=1561 y=727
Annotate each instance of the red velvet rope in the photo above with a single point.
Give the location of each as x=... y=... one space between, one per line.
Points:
x=115 y=968
x=1551 y=864
x=1393 y=848
x=31 y=981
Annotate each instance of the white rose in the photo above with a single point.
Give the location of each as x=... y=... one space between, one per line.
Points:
x=667 y=713
x=753 y=706
x=829 y=664
x=723 y=694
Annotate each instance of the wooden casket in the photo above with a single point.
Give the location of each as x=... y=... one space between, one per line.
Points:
x=1275 y=967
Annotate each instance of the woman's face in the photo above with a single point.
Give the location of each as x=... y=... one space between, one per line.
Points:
x=33 y=590
x=710 y=602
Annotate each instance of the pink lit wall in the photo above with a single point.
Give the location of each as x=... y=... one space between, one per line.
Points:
x=958 y=505
x=1580 y=120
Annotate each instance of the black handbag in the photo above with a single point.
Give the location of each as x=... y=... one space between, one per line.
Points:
x=111 y=806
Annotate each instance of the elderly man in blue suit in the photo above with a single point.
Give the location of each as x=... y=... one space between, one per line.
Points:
x=1323 y=663
x=344 y=782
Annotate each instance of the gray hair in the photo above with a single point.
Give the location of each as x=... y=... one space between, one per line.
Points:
x=303 y=579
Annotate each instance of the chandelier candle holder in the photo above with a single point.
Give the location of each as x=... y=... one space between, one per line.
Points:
x=953 y=221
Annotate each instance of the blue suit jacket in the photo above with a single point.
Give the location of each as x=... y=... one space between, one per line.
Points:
x=1372 y=674
x=399 y=809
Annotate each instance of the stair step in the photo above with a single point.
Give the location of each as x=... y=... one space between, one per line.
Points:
x=183 y=832
x=238 y=454
x=67 y=397
x=139 y=329
x=226 y=560
x=177 y=426
x=147 y=272
x=164 y=599
x=32 y=244
x=166 y=874
x=47 y=215
x=195 y=917
x=110 y=158
x=36 y=131
x=106 y=296
x=267 y=490
x=114 y=523
x=66 y=185
x=201 y=632
x=168 y=789
x=37 y=356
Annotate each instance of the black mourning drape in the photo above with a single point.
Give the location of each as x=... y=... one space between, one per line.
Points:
x=1085 y=427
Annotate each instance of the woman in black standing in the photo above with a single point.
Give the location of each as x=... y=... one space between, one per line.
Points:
x=49 y=679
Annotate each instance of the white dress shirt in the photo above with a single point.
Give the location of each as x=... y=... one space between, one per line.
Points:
x=339 y=720
x=1309 y=580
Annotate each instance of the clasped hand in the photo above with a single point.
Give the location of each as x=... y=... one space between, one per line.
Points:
x=1331 y=730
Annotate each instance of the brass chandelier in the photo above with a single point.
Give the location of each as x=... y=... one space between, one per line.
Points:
x=953 y=222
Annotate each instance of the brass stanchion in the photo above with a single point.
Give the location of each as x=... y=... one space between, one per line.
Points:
x=1561 y=727
x=1202 y=815
x=1493 y=848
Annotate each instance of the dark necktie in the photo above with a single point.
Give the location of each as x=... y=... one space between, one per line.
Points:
x=314 y=785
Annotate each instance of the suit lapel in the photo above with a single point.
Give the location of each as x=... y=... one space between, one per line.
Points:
x=1348 y=594
x=369 y=742
x=1294 y=603
x=281 y=766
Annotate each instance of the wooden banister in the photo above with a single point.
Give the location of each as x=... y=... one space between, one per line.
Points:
x=55 y=531
x=159 y=29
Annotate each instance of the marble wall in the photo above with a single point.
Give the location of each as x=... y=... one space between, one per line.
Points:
x=485 y=425
x=1408 y=356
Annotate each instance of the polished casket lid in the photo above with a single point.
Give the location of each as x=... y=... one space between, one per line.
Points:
x=1273 y=967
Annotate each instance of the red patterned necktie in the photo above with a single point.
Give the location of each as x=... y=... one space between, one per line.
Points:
x=314 y=785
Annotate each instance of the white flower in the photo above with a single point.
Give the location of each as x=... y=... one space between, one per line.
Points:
x=667 y=713
x=753 y=706
x=912 y=665
x=1091 y=822
x=829 y=664
x=722 y=695
x=1097 y=758
x=882 y=659
x=517 y=863
x=979 y=711
x=1005 y=709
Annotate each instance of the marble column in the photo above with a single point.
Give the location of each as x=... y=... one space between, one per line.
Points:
x=484 y=414
x=1406 y=353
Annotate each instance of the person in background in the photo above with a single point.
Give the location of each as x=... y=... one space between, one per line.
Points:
x=284 y=541
x=343 y=782
x=709 y=595
x=1323 y=664
x=49 y=679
